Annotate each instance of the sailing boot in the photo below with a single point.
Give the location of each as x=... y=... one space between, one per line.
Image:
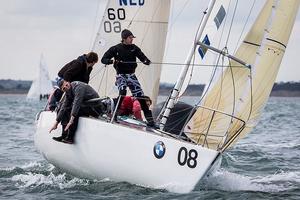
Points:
x=147 y=113
x=71 y=132
x=149 y=118
x=63 y=135
x=69 y=138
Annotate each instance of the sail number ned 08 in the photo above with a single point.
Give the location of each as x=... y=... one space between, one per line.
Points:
x=186 y=157
x=112 y=24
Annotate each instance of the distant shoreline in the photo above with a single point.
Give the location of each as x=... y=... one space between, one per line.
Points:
x=10 y=94
x=282 y=89
x=273 y=94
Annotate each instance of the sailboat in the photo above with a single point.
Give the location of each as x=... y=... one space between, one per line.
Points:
x=228 y=109
x=41 y=86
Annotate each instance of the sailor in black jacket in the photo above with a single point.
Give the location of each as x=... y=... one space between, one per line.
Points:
x=76 y=70
x=79 y=69
x=125 y=55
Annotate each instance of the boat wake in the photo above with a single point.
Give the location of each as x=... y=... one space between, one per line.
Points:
x=229 y=181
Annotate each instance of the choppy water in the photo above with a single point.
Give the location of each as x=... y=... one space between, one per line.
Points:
x=265 y=165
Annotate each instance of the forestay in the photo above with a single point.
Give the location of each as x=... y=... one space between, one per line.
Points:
x=241 y=92
x=42 y=85
x=211 y=36
x=148 y=21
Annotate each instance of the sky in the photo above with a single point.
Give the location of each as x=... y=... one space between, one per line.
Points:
x=62 y=30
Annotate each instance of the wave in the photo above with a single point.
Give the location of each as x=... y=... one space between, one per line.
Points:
x=34 y=180
x=229 y=181
x=31 y=165
x=38 y=174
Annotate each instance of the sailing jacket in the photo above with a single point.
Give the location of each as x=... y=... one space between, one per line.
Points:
x=131 y=106
x=125 y=58
x=76 y=70
x=75 y=97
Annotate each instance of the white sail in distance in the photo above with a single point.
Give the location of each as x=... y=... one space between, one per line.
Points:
x=41 y=85
x=240 y=92
x=148 y=21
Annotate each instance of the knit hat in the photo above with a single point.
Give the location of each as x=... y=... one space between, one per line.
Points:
x=59 y=81
x=126 y=33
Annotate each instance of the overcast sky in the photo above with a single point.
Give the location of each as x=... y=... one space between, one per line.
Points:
x=64 y=29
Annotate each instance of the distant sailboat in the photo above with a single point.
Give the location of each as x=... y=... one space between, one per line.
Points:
x=41 y=87
x=229 y=108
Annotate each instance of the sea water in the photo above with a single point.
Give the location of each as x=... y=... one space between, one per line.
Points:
x=264 y=165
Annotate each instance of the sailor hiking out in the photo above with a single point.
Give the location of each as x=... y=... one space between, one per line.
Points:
x=77 y=93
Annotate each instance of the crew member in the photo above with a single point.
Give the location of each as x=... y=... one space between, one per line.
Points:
x=73 y=107
x=131 y=106
x=125 y=54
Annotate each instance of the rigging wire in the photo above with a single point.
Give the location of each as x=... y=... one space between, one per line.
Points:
x=102 y=67
x=194 y=51
x=224 y=24
x=251 y=96
x=231 y=23
x=135 y=14
x=245 y=24
x=203 y=94
x=151 y=20
x=173 y=21
x=234 y=92
x=94 y=26
x=146 y=30
x=183 y=64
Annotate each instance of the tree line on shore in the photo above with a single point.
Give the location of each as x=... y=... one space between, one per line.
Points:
x=279 y=89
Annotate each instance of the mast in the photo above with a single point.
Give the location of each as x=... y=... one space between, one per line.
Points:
x=179 y=83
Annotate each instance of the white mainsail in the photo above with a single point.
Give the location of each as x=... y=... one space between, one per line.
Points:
x=42 y=85
x=148 y=21
x=240 y=92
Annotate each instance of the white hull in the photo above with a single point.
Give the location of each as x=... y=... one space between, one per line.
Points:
x=105 y=150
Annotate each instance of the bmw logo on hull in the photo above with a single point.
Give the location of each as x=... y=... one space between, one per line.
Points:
x=159 y=149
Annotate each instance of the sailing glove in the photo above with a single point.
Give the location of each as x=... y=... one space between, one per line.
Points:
x=147 y=62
